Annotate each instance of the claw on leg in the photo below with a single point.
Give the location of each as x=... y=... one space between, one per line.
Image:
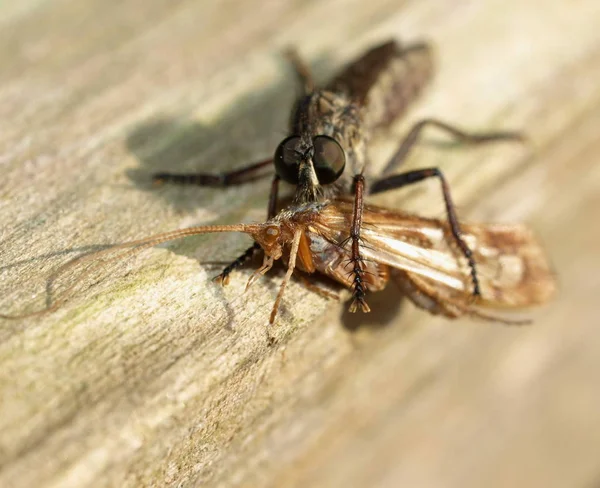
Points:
x=359 y=303
x=266 y=266
x=222 y=279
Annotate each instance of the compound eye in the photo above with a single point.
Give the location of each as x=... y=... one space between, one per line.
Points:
x=287 y=160
x=271 y=234
x=329 y=159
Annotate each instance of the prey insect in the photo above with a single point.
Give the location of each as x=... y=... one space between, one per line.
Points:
x=326 y=155
x=420 y=255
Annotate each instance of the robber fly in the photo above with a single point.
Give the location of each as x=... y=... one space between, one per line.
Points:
x=419 y=254
x=325 y=154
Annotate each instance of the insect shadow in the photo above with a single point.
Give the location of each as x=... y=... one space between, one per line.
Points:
x=248 y=129
x=386 y=305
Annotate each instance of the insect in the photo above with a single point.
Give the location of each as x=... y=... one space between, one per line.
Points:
x=419 y=254
x=443 y=267
x=326 y=155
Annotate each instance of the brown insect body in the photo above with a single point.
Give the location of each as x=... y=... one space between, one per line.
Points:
x=384 y=81
x=370 y=93
x=420 y=255
x=326 y=154
x=361 y=247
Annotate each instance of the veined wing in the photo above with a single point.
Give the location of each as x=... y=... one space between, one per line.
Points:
x=511 y=265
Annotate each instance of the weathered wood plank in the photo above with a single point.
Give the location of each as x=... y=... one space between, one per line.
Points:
x=158 y=377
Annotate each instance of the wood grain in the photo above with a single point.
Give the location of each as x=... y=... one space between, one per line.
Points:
x=154 y=376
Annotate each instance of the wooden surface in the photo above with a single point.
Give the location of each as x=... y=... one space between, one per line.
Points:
x=155 y=376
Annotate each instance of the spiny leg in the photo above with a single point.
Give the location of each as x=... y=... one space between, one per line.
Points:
x=236 y=177
x=410 y=177
x=302 y=70
x=412 y=138
x=223 y=277
x=359 y=286
x=230 y=178
x=397 y=181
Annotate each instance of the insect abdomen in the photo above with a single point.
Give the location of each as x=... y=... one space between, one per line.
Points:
x=385 y=80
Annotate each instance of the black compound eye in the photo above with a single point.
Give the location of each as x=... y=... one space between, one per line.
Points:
x=329 y=159
x=287 y=160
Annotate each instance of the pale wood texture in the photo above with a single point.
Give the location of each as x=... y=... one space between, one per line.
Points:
x=160 y=378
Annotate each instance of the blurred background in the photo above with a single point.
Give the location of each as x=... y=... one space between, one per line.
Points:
x=154 y=376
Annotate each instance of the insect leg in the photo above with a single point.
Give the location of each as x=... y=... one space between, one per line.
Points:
x=359 y=286
x=410 y=177
x=413 y=136
x=236 y=177
x=302 y=70
x=223 y=277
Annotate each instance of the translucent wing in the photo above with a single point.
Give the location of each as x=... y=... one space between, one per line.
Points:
x=511 y=265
